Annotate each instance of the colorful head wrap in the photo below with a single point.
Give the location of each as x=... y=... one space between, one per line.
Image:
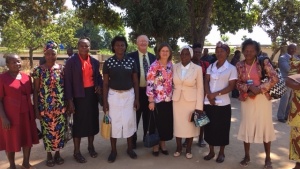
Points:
x=187 y=47
x=223 y=46
x=51 y=45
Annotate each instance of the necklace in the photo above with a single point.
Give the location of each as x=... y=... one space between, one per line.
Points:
x=248 y=72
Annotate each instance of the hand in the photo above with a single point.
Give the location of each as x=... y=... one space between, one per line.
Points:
x=98 y=90
x=254 y=89
x=212 y=102
x=136 y=104
x=251 y=94
x=105 y=107
x=211 y=96
x=70 y=107
x=151 y=106
x=38 y=116
x=5 y=123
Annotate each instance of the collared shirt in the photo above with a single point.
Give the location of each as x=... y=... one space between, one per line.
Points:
x=219 y=79
x=120 y=72
x=87 y=72
x=184 y=69
x=143 y=82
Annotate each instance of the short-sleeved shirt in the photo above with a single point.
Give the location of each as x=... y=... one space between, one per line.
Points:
x=219 y=79
x=120 y=72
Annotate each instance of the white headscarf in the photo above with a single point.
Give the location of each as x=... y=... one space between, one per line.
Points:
x=187 y=47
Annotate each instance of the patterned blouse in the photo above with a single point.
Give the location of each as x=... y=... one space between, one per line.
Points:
x=243 y=87
x=294 y=115
x=159 y=82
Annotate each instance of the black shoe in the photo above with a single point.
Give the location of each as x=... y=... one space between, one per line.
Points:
x=220 y=159
x=165 y=152
x=131 y=154
x=112 y=157
x=282 y=120
x=201 y=143
x=155 y=153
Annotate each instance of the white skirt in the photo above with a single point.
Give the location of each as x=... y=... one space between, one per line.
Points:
x=122 y=113
x=256 y=120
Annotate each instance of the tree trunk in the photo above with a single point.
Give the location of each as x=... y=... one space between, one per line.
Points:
x=31 y=57
x=275 y=51
x=204 y=26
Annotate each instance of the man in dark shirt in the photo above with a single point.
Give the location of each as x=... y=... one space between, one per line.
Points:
x=143 y=60
x=206 y=57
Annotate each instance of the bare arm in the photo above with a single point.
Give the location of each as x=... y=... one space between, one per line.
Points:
x=136 y=91
x=105 y=93
x=3 y=117
x=36 y=85
x=292 y=84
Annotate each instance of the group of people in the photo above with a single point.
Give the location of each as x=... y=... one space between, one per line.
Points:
x=135 y=85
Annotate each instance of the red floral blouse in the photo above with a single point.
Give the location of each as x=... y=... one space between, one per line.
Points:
x=243 y=87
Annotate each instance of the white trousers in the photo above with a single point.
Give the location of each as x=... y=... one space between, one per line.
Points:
x=122 y=113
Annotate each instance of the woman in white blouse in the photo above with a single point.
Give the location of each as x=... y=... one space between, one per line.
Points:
x=220 y=80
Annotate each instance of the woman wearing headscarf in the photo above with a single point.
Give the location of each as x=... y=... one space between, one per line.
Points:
x=219 y=82
x=256 y=106
x=49 y=103
x=83 y=83
x=17 y=119
x=187 y=98
x=120 y=95
x=159 y=92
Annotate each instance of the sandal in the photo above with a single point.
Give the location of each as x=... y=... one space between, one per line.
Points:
x=209 y=157
x=79 y=158
x=50 y=163
x=177 y=154
x=245 y=162
x=92 y=152
x=58 y=160
x=268 y=165
x=188 y=155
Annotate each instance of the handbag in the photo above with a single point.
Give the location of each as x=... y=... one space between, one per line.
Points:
x=151 y=140
x=106 y=126
x=199 y=119
x=278 y=90
x=69 y=128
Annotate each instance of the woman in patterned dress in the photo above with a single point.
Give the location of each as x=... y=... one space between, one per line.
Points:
x=49 y=104
x=159 y=92
x=293 y=82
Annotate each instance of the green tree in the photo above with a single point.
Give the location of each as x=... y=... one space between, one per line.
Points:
x=31 y=12
x=280 y=19
x=17 y=36
x=225 y=38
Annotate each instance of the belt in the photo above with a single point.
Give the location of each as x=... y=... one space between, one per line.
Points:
x=120 y=91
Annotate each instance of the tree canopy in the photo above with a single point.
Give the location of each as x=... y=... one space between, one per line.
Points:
x=280 y=19
x=31 y=12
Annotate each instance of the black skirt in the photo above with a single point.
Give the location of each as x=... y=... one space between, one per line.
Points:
x=86 y=116
x=162 y=120
x=216 y=133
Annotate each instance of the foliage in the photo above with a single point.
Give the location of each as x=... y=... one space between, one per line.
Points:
x=99 y=12
x=31 y=12
x=161 y=20
x=280 y=19
x=17 y=36
x=225 y=38
x=100 y=37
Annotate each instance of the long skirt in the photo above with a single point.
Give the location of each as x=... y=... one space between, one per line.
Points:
x=86 y=116
x=122 y=113
x=162 y=120
x=256 y=120
x=294 y=144
x=216 y=132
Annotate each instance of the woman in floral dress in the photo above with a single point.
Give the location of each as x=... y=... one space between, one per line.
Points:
x=159 y=92
x=49 y=103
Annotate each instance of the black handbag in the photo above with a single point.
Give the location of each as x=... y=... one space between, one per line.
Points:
x=199 y=119
x=151 y=140
x=278 y=90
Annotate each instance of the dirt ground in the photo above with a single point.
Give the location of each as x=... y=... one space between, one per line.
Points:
x=234 y=152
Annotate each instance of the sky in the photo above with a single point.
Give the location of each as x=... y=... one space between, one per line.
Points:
x=234 y=39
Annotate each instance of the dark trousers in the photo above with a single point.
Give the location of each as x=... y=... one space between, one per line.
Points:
x=143 y=111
